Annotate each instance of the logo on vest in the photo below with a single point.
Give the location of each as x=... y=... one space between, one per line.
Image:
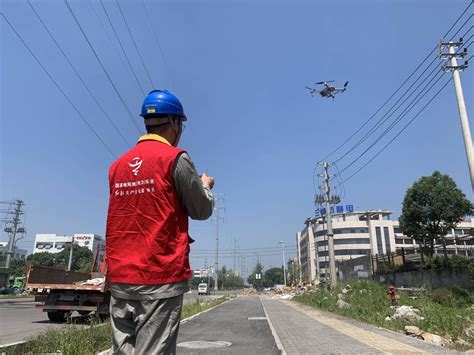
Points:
x=136 y=165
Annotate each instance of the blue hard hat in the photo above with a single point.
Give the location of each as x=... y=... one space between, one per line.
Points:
x=160 y=102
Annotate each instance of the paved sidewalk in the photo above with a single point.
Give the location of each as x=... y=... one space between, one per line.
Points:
x=304 y=330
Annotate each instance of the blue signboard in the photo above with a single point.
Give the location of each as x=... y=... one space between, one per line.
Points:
x=339 y=209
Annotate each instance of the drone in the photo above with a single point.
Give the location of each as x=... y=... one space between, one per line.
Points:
x=328 y=90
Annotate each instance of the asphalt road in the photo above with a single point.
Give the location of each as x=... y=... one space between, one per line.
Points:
x=19 y=321
x=240 y=322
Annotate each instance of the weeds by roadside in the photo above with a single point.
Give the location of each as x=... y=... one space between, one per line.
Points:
x=446 y=312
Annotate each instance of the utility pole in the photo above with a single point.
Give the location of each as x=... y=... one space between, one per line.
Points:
x=284 y=262
x=69 y=264
x=14 y=229
x=234 y=245
x=217 y=218
x=452 y=55
x=328 y=200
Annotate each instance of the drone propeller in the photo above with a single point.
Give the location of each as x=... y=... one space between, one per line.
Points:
x=324 y=82
x=345 y=85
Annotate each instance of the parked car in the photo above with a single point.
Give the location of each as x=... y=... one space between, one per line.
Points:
x=203 y=289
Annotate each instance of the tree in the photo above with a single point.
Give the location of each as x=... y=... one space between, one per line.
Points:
x=44 y=259
x=294 y=273
x=256 y=283
x=273 y=276
x=432 y=206
x=18 y=267
x=81 y=259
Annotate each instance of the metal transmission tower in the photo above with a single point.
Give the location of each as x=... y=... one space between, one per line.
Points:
x=329 y=200
x=453 y=66
x=218 y=199
x=13 y=227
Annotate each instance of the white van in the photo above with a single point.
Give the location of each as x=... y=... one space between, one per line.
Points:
x=203 y=289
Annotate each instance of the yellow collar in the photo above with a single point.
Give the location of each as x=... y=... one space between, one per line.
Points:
x=153 y=137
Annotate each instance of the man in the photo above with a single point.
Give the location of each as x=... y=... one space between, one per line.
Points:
x=154 y=188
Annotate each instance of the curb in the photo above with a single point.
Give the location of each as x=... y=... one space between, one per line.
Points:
x=272 y=329
x=183 y=321
x=17 y=300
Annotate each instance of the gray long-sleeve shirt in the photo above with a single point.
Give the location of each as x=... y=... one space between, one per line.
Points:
x=198 y=201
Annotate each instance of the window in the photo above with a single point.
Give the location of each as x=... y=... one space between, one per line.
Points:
x=44 y=245
x=378 y=233
x=322 y=243
x=399 y=240
x=397 y=230
x=60 y=245
x=387 y=240
x=352 y=241
x=352 y=252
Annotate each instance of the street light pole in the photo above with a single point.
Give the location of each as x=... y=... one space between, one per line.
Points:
x=284 y=266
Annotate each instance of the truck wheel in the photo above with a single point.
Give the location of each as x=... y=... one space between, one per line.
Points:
x=57 y=316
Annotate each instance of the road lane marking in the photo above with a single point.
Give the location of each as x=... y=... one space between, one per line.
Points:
x=256 y=318
x=272 y=328
x=374 y=340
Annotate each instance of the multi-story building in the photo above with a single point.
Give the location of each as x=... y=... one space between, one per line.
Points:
x=364 y=233
x=53 y=243
x=18 y=253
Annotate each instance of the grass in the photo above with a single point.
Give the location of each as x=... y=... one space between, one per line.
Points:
x=447 y=312
x=74 y=339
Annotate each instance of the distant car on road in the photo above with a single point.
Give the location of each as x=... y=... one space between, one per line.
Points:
x=203 y=289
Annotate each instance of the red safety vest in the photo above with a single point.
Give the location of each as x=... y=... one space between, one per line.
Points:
x=147 y=240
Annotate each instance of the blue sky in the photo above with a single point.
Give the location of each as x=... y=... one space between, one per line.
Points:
x=239 y=68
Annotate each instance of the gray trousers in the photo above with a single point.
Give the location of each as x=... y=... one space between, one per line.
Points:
x=145 y=327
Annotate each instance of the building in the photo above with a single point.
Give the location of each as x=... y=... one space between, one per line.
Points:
x=364 y=233
x=17 y=252
x=52 y=243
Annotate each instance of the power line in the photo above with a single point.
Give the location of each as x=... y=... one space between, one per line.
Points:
x=387 y=116
x=135 y=44
x=140 y=88
x=398 y=134
x=413 y=103
x=403 y=84
x=57 y=86
x=171 y=76
x=402 y=115
x=78 y=75
x=102 y=65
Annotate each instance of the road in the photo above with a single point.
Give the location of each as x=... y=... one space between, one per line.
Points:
x=250 y=325
x=24 y=320
x=264 y=325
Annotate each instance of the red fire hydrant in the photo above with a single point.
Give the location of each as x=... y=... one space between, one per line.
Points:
x=392 y=293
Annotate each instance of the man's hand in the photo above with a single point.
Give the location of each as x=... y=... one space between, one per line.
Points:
x=207 y=180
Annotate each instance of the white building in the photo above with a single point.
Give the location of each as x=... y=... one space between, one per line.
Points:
x=52 y=243
x=17 y=252
x=364 y=233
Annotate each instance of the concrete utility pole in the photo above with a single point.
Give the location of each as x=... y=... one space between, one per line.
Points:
x=455 y=68
x=284 y=263
x=14 y=229
x=217 y=218
x=69 y=264
x=234 y=249
x=328 y=199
